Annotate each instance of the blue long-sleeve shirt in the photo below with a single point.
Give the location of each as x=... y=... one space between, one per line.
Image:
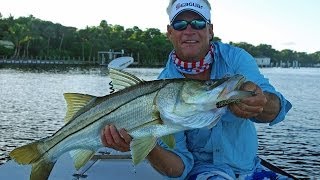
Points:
x=231 y=145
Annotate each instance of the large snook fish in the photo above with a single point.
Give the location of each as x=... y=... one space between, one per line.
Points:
x=146 y=109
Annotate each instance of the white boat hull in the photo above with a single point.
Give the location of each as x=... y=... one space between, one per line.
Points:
x=100 y=169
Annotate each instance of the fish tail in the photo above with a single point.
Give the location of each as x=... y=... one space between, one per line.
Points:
x=41 y=169
x=26 y=154
x=32 y=154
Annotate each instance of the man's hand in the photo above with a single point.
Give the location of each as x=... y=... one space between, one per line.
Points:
x=118 y=140
x=252 y=106
x=164 y=161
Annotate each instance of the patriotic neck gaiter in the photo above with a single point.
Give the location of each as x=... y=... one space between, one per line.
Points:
x=194 y=67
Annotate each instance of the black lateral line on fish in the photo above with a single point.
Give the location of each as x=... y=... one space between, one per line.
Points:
x=99 y=100
x=89 y=124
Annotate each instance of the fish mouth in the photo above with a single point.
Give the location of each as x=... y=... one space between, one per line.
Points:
x=231 y=93
x=235 y=97
x=241 y=80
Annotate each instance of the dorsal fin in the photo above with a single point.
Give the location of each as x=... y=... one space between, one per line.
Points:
x=75 y=102
x=122 y=79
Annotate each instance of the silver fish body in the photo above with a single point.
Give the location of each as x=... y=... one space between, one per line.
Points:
x=148 y=110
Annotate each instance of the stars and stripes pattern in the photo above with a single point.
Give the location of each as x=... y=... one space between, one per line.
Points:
x=194 y=67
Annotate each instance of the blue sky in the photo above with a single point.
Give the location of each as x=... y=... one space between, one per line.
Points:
x=284 y=24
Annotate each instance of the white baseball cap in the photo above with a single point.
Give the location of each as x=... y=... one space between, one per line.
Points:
x=197 y=6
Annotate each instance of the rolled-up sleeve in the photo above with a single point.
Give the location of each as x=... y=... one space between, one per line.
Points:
x=285 y=106
x=248 y=67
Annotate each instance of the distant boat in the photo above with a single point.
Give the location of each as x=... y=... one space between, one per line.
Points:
x=121 y=62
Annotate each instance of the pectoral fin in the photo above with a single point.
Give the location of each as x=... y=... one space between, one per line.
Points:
x=140 y=148
x=214 y=122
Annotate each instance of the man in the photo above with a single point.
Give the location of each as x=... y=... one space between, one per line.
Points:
x=229 y=149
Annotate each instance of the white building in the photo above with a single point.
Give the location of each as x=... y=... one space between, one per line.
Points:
x=263 y=61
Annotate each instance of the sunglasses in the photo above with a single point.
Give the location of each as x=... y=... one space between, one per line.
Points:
x=181 y=25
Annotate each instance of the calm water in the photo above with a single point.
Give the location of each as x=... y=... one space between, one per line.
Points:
x=32 y=107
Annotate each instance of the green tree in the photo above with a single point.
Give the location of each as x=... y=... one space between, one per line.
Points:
x=34 y=37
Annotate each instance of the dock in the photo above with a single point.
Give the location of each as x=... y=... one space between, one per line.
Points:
x=47 y=62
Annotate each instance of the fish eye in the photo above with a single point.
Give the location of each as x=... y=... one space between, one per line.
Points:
x=208 y=83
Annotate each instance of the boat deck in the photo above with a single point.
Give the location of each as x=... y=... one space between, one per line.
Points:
x=106 y=164
x=101 y=166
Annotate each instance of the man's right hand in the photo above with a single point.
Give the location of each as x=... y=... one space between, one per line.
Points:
x=118 y=140
x=164 y=161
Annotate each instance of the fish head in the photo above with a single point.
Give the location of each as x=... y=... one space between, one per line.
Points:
x=192 y=103
x=208 y=93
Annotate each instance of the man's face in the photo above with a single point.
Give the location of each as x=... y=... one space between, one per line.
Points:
x=190 y=44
